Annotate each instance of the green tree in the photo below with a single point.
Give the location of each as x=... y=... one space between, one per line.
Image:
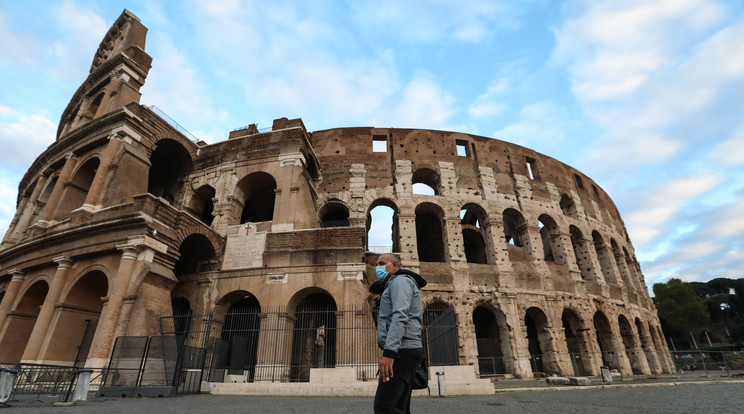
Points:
x=680 y=308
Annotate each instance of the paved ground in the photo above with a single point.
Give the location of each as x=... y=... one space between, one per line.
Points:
x=668 y=395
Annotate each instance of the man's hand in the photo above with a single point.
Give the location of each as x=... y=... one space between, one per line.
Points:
x=386 y=369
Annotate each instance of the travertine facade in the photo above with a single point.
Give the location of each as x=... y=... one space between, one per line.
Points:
x=124 y=218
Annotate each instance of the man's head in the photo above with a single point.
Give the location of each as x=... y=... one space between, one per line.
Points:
x=390 y=261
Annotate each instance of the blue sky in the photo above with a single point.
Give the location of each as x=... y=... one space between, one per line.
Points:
x=646 y=97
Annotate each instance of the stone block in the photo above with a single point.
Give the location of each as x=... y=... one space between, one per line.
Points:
x=579 y=381
x=557 y=381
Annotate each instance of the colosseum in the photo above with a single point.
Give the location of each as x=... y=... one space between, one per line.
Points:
x=249 y=260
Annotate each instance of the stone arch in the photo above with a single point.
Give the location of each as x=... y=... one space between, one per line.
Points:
x=21 y=320
x=476 y=234
x=92 y=108
x=581 y=252
x=257 y=193
x=633 y=277
x=515 y=228
x=202 y=204
x=630 y=344
x=77 y=319
x=617 y=255
x=440 y=334
x=334 y=213
x=539 y=343
x=431 y=233
x=170 y=163
x=196 y=253
x=574 y=330
x=647 y=346
x=605 y=340
x=238 y=344
x=76 y=190
x=426 y=177
x=492 y=339
x=384 y=206
x=314 y=335
x=605 y=258
x=568 y=206
x=549 y=233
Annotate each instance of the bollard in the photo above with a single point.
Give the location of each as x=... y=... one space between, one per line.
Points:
x=7 y=378
x=440 y=382
x=83 y=384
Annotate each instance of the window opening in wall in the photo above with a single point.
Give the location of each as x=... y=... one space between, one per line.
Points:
x=532 y=168
x=425 y=182
x=430 y=235
x=579 y=181
x=594 y=188
x=568 y=206
x=546 y=241
x=334 y=214
x=379 y=143
x=473 y=236
x=381 y=229
x=462 y=147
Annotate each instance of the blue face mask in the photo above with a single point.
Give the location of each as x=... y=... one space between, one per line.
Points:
x=381 y=272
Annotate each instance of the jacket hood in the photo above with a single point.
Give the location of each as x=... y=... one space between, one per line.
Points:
x=420 y=281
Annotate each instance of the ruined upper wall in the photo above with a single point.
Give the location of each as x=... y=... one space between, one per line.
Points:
x=337 y=149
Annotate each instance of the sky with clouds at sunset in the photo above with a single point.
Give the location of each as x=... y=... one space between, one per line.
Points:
x=646 y=97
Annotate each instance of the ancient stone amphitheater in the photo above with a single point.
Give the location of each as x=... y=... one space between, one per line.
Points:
x=259 y=246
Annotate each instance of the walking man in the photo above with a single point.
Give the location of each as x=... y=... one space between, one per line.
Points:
x=398 y=334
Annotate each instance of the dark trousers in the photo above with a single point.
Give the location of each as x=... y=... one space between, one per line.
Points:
x=394 y=396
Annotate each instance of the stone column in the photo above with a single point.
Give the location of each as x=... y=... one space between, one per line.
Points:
x=54 y=199
x=41 y=327
x=10 y=295
x=104 y=168
x=104 y=336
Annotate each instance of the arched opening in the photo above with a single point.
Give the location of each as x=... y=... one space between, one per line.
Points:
x=515 y=233
x=617 y=256
x=258 y=192
x=538 y=337
x=474 y=233
x=21 y=322
x=202 y=204
x=77 y=319
x=581 y=252
x=75 y=191
x=440 y=334
x=334 y=214
x=182 y=314
x=573 y=330
x=568 y=207
x=196 y=255
x=647 y=346
x=430 y=233
x=426 y=182
x=488 y=338
x=548 y=233
x=314 y=339
x=630 y=264
x=170 y=163
x=604 y=257
x=629 y=341
x=92 y=110
x=237 y=349
x=605 y=340
x=382 y=227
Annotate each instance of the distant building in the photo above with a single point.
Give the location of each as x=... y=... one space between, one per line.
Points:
x=125 y=220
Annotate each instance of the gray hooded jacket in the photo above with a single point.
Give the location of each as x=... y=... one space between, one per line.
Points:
x=400 y=320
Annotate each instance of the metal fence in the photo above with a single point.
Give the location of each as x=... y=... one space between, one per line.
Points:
x=698 y=360
x=271 y=345
x=42 y=382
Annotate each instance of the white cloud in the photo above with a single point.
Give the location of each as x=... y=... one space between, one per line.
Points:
x=25 y=138
x=656 y=207
x=73 y=51
x=488 y=104
x=541 y=126
x=421 y=104
x=729 y=153
x=14 y=48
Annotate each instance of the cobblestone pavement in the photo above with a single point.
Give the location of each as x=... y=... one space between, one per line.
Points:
x=671 y=396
